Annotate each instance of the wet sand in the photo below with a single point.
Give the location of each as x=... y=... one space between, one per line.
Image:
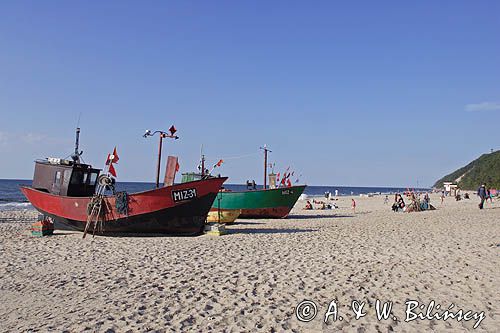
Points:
x=253 y=278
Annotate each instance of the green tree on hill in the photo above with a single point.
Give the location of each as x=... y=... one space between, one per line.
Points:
x=485 y=169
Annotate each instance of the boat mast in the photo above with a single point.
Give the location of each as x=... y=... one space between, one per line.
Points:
x=163 y=134
x=265 y=164
x=158 y=164
x=202 y=163
x=76 y=154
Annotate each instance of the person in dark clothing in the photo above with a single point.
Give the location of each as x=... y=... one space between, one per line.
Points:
x=481 y=192
x=399 y=203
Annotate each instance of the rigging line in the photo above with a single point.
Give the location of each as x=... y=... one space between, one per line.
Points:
x=240 y=156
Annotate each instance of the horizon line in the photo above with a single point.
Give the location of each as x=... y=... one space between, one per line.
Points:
x=371 y=186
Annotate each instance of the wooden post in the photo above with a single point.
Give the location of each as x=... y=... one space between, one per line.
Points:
x=265 y=164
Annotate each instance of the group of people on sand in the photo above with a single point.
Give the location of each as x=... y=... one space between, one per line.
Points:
x=399 y=203
x=458 y=195
x=484 y=194
x=322 y=205
x=418 y=202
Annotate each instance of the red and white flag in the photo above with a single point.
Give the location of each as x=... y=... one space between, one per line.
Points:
x=112 y=170
x=115 y=157
x=112 y=158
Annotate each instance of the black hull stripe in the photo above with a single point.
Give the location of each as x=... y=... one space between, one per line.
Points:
x=184 y=219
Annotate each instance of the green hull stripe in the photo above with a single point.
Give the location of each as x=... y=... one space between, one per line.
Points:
x=279 y=197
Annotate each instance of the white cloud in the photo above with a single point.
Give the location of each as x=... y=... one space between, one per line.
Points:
x=32 y=138
x=484 y=106
x=3 y=138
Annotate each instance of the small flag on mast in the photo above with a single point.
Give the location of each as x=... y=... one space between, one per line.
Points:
x=112 y=158
x=115 y=156
x=112 y=170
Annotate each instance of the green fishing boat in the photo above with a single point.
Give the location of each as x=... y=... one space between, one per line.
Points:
x=265 y=203
x=268 y=202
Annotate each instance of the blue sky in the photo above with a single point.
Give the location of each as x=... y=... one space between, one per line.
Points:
x=365 y=93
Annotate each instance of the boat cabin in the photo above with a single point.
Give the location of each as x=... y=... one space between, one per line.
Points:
x=193 y=176
x=190 y=177
x=63 y=177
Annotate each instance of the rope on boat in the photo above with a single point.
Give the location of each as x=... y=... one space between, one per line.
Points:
x=121 y=202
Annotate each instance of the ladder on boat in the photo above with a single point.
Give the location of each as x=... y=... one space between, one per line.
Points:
x=95 y=214
x=97 y=206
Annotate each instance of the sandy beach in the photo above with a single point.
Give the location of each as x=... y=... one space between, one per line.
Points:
x=253 y=278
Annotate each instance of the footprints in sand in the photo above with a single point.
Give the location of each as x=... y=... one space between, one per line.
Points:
x=251 y=281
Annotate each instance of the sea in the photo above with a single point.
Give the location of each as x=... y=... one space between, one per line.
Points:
x=11 y=197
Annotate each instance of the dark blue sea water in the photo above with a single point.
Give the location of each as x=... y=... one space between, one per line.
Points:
x=12 y=198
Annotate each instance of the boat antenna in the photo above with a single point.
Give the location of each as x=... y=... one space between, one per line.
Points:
x=76 y=155
x=78 y=121
x=202 y=162
x=265 y=163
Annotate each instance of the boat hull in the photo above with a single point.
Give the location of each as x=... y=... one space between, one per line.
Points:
x=223 y=215
x=269 y=203
x=154 y=211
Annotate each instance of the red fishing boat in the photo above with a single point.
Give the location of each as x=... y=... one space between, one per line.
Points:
x=72 y=195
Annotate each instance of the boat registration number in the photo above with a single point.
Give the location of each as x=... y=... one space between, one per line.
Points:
x=181 y=195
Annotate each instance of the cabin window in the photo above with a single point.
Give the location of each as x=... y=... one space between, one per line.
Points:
x=57 y=178
x=77 y=177
x=93 y=178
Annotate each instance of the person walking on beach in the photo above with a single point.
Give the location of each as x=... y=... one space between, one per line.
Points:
x=481 y=192
x=442 y=197
x=354 y=206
